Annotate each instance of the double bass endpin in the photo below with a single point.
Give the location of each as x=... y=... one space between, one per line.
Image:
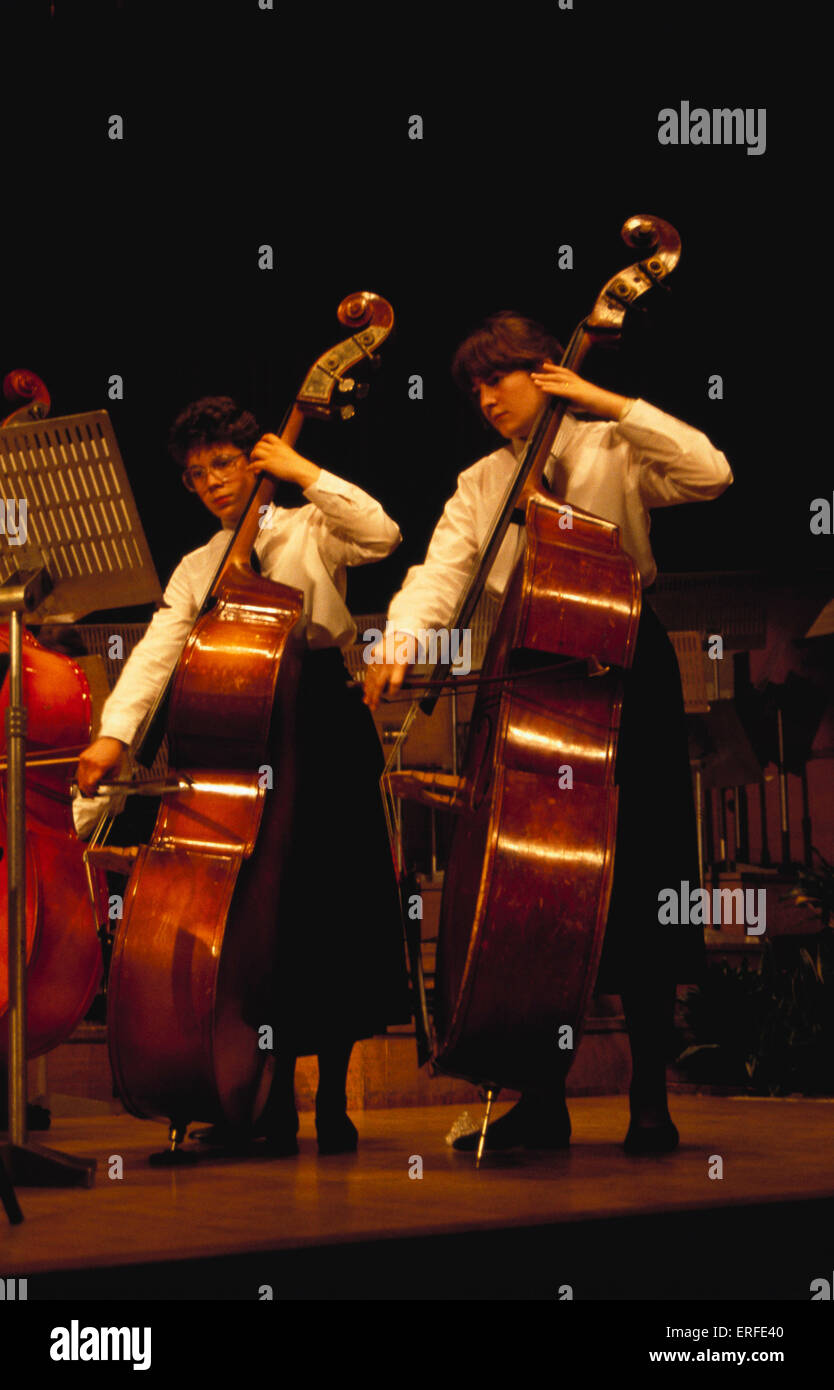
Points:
x=490 y=1097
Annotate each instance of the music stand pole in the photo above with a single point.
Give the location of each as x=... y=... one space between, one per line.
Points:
x=27 y=1164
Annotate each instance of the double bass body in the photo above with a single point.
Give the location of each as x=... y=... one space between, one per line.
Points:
x=530 y=869
x=531 y=863
x=194 y=956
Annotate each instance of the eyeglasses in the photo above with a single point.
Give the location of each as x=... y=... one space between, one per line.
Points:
x=195 y=478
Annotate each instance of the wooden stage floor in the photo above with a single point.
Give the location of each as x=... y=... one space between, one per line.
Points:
x=523 y=1227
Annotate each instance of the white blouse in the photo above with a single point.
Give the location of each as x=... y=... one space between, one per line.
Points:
x=617 y=470
x=306 y=547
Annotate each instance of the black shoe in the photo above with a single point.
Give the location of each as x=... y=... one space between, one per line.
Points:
x=651 y=1139
x=522 y=1128
x=278 y=1127
x=277 y=1143
x=337 y=1134
x=280 y=1145
x=222 y=1136
x=275 y=1122
x=278 y=1135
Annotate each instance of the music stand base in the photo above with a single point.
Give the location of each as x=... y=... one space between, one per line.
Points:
x=34 y=1165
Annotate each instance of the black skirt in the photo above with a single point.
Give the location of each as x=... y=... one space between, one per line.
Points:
x=656 y=830
x=341 y=965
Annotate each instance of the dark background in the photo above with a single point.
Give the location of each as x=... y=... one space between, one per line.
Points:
x=139 y=257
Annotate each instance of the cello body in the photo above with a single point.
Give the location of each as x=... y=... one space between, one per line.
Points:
x=531 y=864
x=63 y=955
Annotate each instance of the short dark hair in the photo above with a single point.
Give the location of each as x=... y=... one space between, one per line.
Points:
x=505 y=342
x=212 y=420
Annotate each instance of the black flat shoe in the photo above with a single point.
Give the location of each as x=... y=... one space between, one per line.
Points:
x=279 y=1141
x=223 y=1137
x=278 y=1127
x=279 y=1145
x=520 y=1131
x=651 y=1139
x=337 y=1134
x=274 y=1143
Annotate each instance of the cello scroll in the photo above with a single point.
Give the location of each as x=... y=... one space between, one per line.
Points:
x=28 y=394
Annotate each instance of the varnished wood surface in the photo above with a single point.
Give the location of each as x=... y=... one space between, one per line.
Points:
x=772 y=1151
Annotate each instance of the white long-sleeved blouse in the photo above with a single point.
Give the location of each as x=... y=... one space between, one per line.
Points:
x=618 y=470
x=307 y=547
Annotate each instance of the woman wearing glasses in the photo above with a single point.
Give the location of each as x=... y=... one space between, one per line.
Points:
x=342 y=973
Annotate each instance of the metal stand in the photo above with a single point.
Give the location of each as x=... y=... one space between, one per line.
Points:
x=82 y=528
x=807 y=834
x=25 y=1164
x=784 y=819
x=479 y=1152
x=412 y=929
x=698 y=790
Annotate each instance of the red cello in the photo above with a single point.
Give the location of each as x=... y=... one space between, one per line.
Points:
x=194 y=955
x=28 y=394
x=63 y=955
x=64 y=963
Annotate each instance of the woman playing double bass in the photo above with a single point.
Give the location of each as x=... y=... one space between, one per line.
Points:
x=341 y=971
x=629 y=459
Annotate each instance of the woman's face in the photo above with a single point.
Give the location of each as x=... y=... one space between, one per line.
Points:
x=217 y=473
x=510 y=403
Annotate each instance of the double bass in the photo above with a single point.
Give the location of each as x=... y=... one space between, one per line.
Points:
x=189 y=989
x=530 y=868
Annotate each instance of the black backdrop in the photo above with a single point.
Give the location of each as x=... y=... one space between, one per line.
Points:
x=139 y=256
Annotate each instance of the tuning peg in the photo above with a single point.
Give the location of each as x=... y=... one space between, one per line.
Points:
x=347 y=412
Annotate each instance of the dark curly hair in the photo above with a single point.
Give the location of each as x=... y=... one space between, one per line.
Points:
x=505 y=342
x=212 y=420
